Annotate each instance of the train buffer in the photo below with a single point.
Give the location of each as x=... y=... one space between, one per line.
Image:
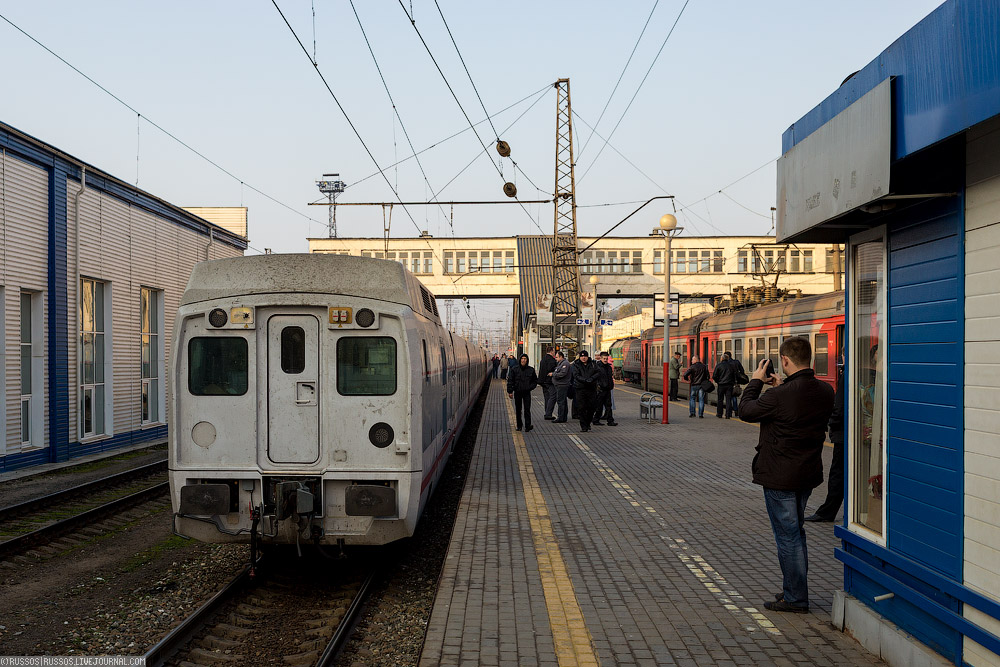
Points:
x=649 y=403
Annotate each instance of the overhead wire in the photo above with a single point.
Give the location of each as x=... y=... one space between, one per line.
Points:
x=620 y=77
x=636 y=93
x=157 y=125
x=395 y=111
x=457 y=101
x=543 y=89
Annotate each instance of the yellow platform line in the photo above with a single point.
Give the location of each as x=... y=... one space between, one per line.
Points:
x=572 y=639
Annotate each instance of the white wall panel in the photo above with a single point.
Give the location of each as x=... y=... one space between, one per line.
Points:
x=131 y=248
x=982 y=378
x=24 y=218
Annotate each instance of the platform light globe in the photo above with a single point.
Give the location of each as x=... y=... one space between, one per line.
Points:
x=593 y=280
x=668 y=222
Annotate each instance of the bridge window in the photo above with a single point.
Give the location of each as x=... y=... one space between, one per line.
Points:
x=793 y=261
x=428 y=262
x=807 y=261
x=498 y=261
x=680 y=261
x=741 y=262
x=449 y=262
x=508 y=261
x=473 y=262
x=460 y=258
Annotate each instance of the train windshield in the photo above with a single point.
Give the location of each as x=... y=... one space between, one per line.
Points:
x=366 y=366
x=217 y=366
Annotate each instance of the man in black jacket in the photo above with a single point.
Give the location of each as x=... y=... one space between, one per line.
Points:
x=545 y=369
x=521 y=380
x=725 y=377
x=586 y=376
x=696 y=374
x=605 y=385
x=827 y=512
x=789 y=463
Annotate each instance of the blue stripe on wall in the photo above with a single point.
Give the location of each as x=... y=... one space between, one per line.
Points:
x=925 y=465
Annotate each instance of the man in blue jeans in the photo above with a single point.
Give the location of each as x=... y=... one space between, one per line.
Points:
x=696 y=374
x=793 y=416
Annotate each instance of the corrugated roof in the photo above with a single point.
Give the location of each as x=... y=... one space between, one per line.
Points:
x=534 y=272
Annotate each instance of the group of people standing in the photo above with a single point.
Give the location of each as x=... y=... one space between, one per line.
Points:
x=499 y=366
x=728 y=375
x=588 y=383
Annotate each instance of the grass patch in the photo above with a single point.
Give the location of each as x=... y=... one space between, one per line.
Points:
x=100 y=463
x=169 y=544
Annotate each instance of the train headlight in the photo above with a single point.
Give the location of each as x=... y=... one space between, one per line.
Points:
x=218 y=317
x=364 y=317
x=381 y=435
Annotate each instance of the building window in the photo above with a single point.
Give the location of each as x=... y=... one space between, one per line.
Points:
x=706 y=261
x=867 y=406
x=31 y=370
x=151 y=331
x=449 y=262
x=473 y=262
x=508 y=261
x=460 y=256
x=428 y=262
x=692 y=261
x=92 y=356
x=807 y=261
x=658 y=261
x=741 y=262
x=484 y=261
x=717 y=261
x=781 y=265
x=680 y=261
x=636 y=261
x=794 y=266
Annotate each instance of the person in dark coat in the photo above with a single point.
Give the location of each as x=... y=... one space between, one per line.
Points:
x=604 y=409
x=521 y=380
x=586 y=376
x=793 y=417
x=835 y=482
x=562 y=377
x=696 y=374
x=545 y=368
x=741 y=378
x=674 y=374
x=725 y=377
x=504 y=363
x=496 y=366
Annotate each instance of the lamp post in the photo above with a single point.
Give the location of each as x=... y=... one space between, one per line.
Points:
x=593 y=287
x=668 y=227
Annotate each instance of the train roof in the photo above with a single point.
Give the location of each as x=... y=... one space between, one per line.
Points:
x=789 y=312
x=683 y=328
x=308 y=273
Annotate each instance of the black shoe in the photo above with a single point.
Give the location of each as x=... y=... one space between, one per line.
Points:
x=690 y=415
x=701 y=416
x=597 y=423
x=584 y=430
x=727 y=416
x=779 y=596
x=612 y=423
x=528 y=428
x=781 y=605
x=550 y=417
x=718 y=416
x=818 y=518
x=559 y=421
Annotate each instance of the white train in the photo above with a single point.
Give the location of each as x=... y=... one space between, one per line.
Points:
x=315 y=399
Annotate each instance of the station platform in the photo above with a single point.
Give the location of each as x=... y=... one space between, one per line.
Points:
x=636 y=544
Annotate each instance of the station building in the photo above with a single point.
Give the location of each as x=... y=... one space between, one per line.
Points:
x=91 y=272
x=902 y=164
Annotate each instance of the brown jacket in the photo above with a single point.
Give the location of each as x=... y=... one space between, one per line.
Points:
x=793 y=417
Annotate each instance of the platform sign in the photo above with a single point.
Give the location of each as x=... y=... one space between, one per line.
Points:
x=585 y=321
x=607 y=323
x=673 y=308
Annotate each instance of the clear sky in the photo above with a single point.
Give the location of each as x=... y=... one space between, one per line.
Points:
x=229 y=79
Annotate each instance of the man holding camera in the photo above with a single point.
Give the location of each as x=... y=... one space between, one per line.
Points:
x=793 y=416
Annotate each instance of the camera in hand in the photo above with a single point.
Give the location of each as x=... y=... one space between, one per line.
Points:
x=769 y=369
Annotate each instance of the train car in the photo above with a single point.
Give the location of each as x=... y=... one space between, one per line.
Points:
x=632 y=360
x=315 y=399
x=617 y=352
x=750 y=335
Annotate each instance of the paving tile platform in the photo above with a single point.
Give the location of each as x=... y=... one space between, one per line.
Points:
x=640 y=544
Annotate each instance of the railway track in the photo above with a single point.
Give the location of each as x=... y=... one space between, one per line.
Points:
x=35 y=522
x=297 y=615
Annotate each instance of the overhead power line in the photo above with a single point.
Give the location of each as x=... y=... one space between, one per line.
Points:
x=457 y=101
x=636 y=93
x=620 y=76
x=157 y=125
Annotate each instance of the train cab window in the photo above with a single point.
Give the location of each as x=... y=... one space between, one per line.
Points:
x=366 y=366
x=822 y=363
x=293 y=350
x=217 y=366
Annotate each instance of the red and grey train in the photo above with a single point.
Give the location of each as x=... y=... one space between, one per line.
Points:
x=750 y=334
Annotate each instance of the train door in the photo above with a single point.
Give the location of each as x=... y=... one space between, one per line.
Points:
x=446 y=392
x=293 y=389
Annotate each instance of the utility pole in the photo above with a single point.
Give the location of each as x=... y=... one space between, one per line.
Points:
x=332 y=187
x=565 y=266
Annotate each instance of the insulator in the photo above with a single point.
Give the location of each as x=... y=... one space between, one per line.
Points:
x=503 y=148
x=510 y=189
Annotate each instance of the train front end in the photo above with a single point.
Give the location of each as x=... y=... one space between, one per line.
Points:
x=291 y=418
